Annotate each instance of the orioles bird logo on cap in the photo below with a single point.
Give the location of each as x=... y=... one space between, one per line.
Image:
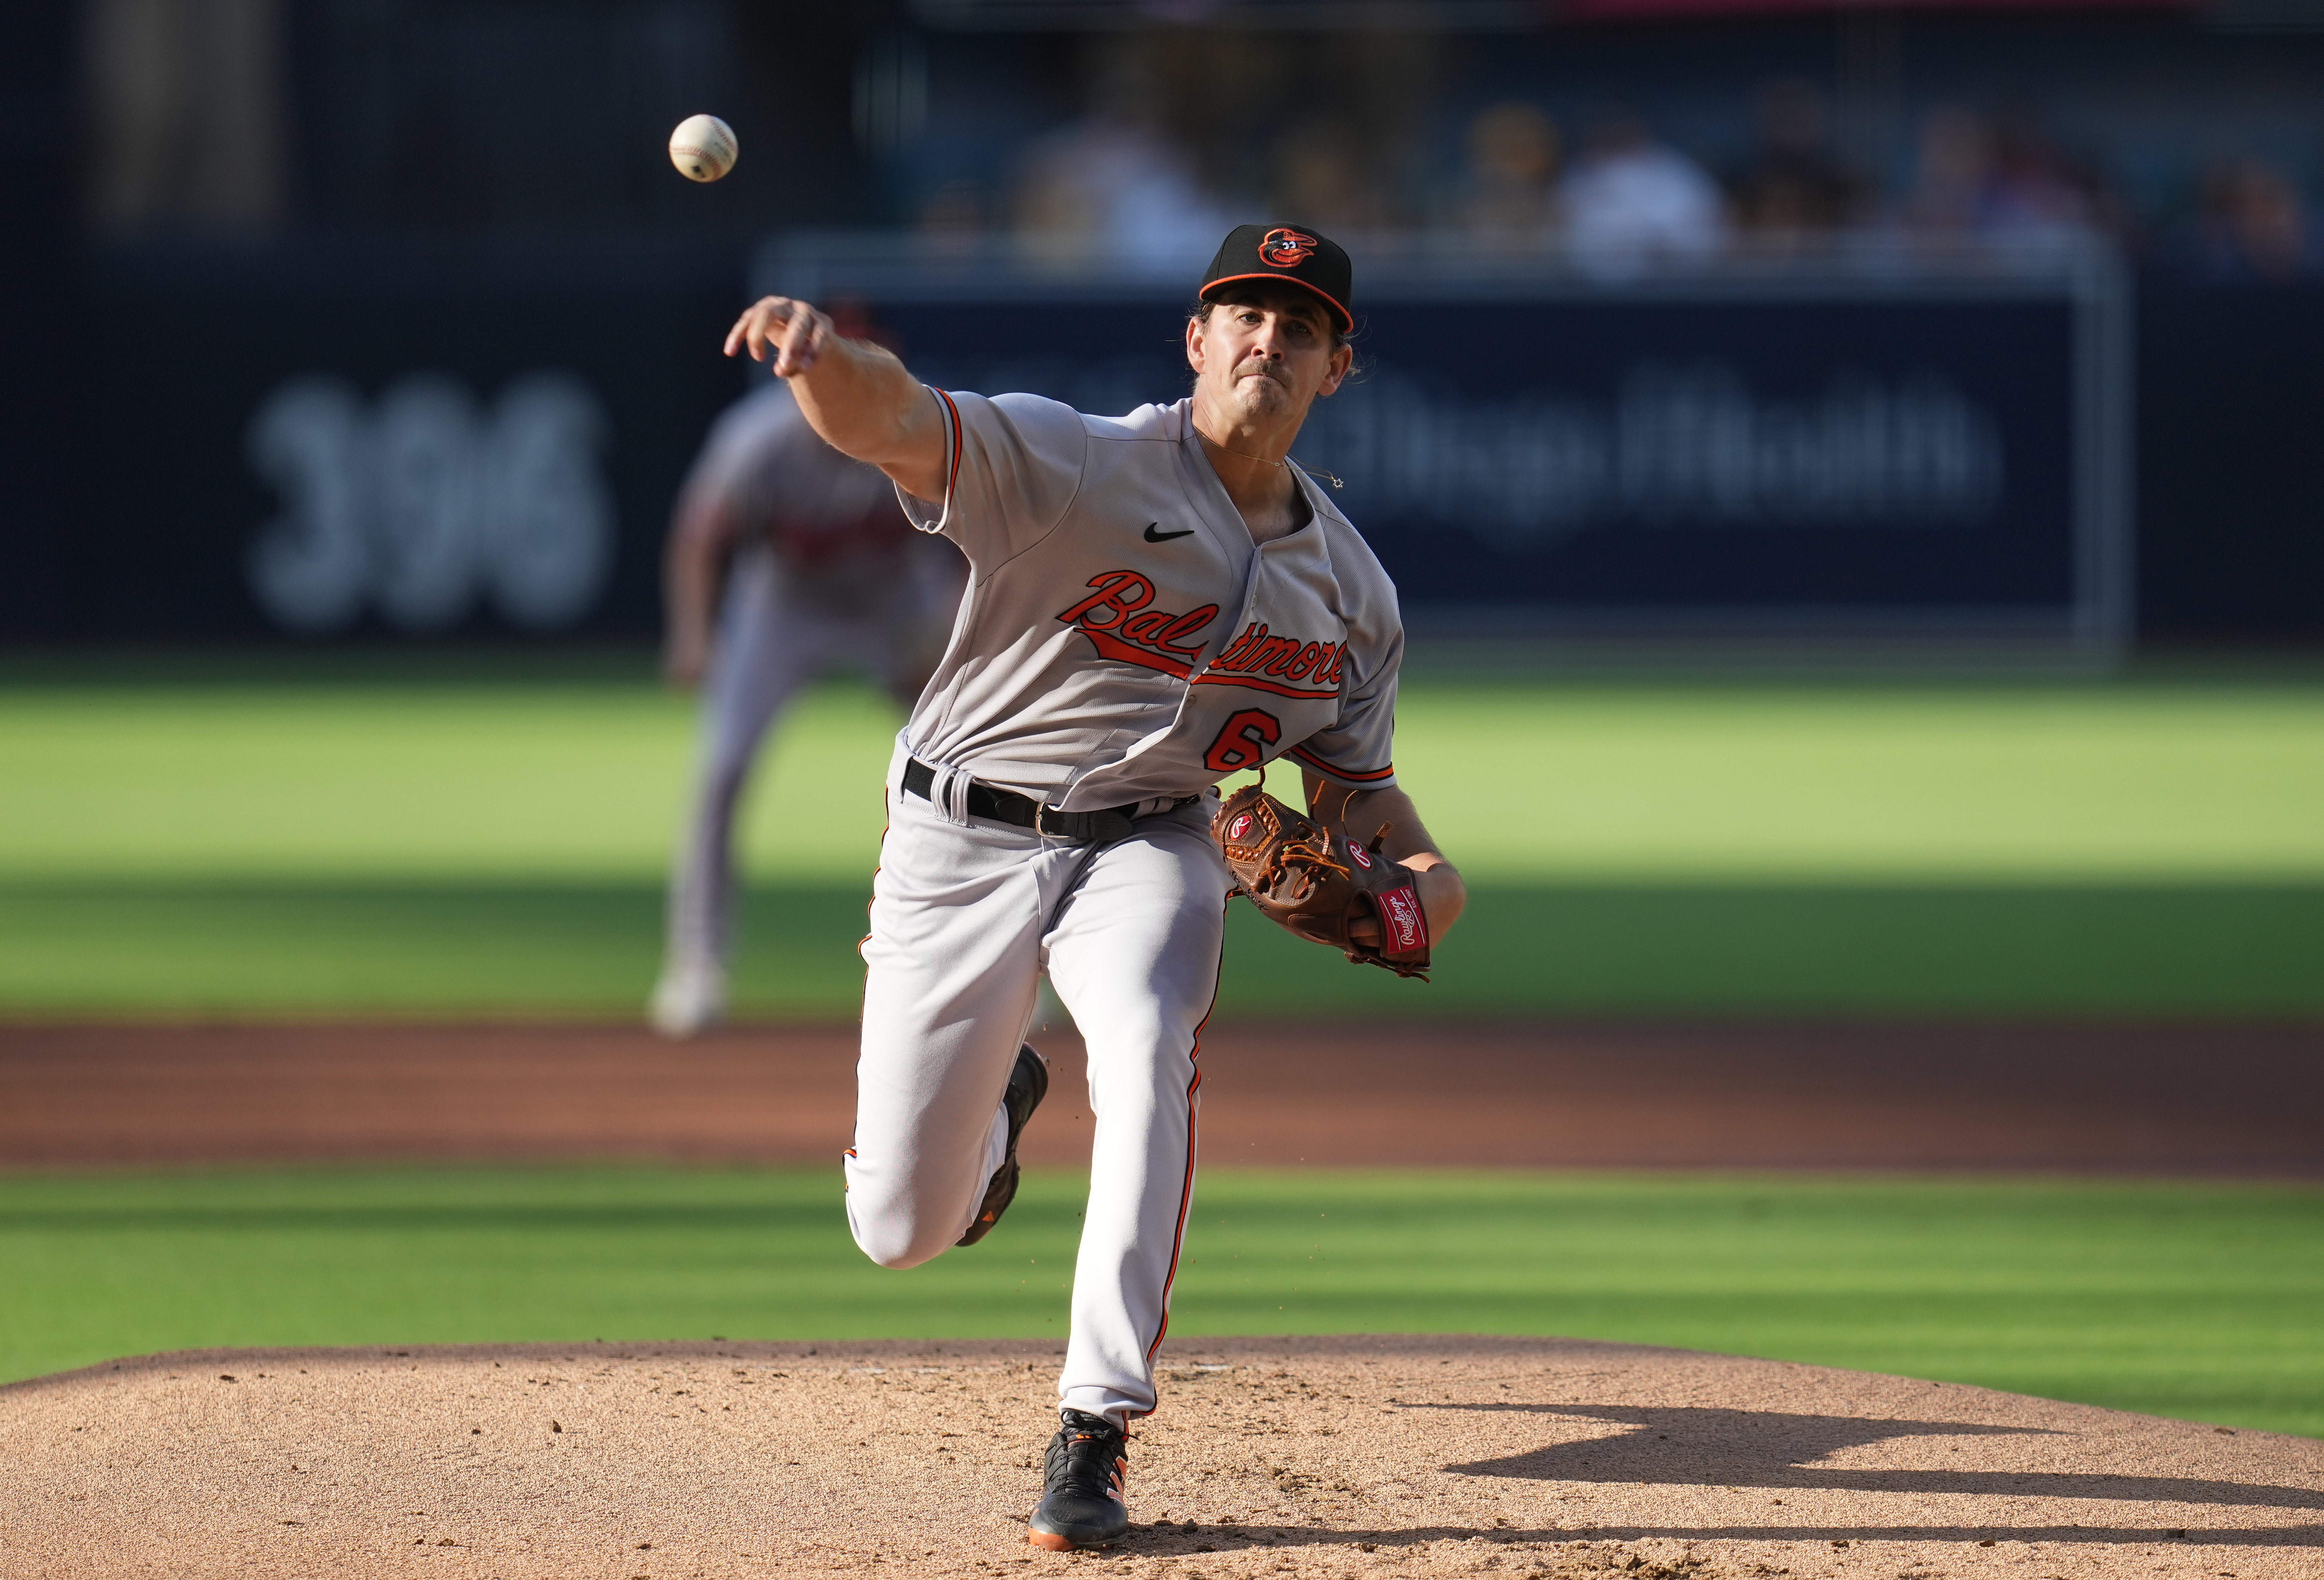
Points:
x=1286 y=249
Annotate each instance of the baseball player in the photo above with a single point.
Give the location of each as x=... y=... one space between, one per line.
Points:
x=818 y=566
x=1156 y=602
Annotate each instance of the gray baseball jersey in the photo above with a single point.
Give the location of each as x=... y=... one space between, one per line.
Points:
x=1123 y=639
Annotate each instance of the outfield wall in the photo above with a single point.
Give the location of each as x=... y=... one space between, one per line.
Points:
x=354 y=441
x=1868 y=447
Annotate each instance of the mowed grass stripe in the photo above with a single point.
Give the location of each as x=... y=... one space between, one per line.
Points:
x=407 y=840
x=2201 y=1301
x=2074 y=784
x=2057 y=784
x=582 y=949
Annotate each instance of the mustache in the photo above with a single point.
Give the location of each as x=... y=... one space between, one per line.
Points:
x=1265 y=367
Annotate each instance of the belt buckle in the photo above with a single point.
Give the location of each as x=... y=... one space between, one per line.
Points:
x=1041 y=811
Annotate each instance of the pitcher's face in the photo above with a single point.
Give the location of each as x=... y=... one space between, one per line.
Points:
x=1265 y=354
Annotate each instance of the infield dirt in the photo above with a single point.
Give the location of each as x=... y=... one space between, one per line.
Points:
x=1421 y=1458
x=2220 y=1098
x=1295 y=1457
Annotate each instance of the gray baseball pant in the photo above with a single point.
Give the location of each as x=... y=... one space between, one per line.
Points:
x=965 y=915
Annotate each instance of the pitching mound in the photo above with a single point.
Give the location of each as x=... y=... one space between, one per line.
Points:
x=1386 y=1456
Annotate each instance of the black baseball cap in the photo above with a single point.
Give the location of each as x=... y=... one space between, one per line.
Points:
x=1299 y=253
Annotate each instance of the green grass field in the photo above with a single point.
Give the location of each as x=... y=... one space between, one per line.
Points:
x=2192 y=1300
x=291 y=836
x=413 y=834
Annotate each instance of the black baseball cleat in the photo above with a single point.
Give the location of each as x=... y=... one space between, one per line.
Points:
x=1028 y=1083
x=1082 y=1503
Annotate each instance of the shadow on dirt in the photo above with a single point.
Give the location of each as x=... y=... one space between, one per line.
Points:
x=1165 y=1540
x=1701 y=1446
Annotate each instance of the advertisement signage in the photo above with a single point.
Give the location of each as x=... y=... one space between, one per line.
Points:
x=1865 y=450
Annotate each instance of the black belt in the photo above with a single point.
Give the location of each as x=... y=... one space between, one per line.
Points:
x=1082 y=828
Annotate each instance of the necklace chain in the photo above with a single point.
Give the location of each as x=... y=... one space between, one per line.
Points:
x=1215 y=445
x=1286 y=462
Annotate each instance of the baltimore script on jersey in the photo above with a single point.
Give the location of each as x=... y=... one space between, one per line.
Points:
x=1117 y=621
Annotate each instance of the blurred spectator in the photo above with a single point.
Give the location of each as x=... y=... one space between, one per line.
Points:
x=1793 y=193
x=1507 y=199
x=953 y=218
x=2004 y=183
x=1324 y=177
x=1115 y=184
x=2253 y=226
x=186 y=113
x=1631 y=203
x=1955 y=161
x=2035 y=193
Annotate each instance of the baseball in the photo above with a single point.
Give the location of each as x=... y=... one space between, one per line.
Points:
x=703 y=148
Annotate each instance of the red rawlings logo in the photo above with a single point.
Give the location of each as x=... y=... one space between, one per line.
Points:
x=1286 y=249
x=1359 y=856
x=1239 y=827
x=1407 y=928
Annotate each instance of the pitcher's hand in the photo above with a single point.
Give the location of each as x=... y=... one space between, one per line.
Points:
x=792 y=333
x=1443 y=897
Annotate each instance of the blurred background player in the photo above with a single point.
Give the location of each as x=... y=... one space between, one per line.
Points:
x=785 y=558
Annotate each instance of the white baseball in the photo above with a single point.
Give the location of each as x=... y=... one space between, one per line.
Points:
x=703 y=148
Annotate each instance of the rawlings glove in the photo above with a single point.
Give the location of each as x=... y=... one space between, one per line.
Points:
x=1300 y=878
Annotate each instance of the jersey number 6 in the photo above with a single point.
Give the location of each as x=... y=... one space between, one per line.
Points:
x=1243 y=743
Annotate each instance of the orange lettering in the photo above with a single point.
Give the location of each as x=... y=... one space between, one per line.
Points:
x=1233 y=657
x=1172 y=638
x=1268 y=651
x=1279 y=658
x=1121 y=592
x=1243 y=743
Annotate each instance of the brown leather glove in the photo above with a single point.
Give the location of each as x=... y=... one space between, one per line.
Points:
x=1300 y=878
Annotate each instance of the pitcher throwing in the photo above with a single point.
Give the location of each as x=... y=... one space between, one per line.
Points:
x=1156 y=602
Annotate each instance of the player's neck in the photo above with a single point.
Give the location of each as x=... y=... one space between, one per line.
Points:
x=1251 y=466
x=1260 y=487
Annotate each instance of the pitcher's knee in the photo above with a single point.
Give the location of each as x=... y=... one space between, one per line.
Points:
x=899 y=1234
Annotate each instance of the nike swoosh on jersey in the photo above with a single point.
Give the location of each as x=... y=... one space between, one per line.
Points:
x=1154 y=537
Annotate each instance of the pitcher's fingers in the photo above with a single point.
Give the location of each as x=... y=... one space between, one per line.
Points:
x=736 y=335
x=802 y=339
x=752 y=329
x=768 y=324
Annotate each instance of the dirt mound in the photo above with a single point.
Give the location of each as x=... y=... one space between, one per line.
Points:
x=1316 y=1457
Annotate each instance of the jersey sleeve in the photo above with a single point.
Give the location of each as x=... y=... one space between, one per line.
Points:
x=1012 y=466
x=1358 y=749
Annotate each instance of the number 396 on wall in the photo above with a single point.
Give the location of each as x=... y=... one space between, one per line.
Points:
x=421 y=502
